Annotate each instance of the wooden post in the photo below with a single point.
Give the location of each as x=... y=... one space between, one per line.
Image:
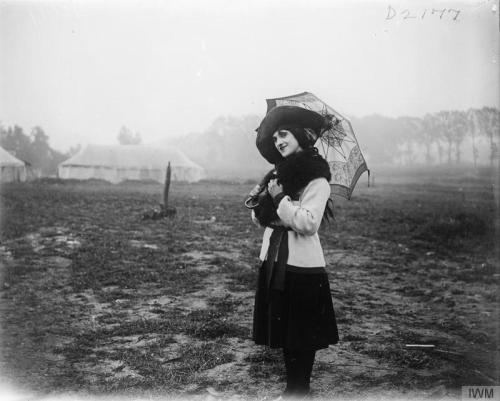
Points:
x=167 y=187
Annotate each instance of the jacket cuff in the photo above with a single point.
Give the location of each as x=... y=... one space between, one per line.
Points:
x=278 y=198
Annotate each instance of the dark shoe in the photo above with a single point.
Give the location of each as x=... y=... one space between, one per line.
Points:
x=296 y=394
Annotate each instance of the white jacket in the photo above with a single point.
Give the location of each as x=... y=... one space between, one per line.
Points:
x=304 y=218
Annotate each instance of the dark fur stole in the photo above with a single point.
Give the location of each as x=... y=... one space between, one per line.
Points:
x=294 y=173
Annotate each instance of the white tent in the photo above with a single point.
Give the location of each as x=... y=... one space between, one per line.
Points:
x=129 y=162
x=12 y=169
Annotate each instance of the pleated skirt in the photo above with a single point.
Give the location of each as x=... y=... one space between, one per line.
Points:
x=299 y=317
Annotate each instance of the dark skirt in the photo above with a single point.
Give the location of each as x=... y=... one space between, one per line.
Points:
x=301 y=316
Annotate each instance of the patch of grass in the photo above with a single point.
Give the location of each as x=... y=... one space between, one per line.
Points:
x=143 y=326
x=146 y=363
x=112 y=296
x=399 y=356
x=485 y=273
x=112 y=318
x=211 y=324
x=243 y=277
x=155 y=373
x=81 y=347
x=449 y=228
x=85 y=343
x=112 y=262
x=266 y=363
x=353 y=337
x=224 y=306
x=149 y=362
x=203 y=356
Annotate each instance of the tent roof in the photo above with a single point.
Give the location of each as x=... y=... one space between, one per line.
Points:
x=6 y=159
x=131 y=156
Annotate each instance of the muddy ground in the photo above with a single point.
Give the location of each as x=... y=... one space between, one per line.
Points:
x=97 y=298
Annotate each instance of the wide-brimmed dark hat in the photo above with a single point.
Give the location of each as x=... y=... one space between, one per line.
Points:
x=284 y=116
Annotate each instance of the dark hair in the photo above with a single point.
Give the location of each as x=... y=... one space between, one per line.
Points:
x=304 y=136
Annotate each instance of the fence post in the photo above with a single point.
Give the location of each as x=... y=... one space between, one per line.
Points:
x=167 y=187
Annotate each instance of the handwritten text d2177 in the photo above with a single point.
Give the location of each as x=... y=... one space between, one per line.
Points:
x=405 y=14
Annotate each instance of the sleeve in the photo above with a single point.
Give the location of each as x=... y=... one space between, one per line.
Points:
x=255 y=220
x=305 y=218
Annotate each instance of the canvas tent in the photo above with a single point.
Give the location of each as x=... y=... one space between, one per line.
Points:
x=129 y=162
x=12 y=169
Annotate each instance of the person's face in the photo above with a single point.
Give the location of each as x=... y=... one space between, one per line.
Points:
x=286 y=143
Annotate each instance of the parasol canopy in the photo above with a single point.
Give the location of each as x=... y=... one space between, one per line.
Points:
x=336 y=143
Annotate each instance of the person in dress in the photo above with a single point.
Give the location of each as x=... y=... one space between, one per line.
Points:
x=293 y=305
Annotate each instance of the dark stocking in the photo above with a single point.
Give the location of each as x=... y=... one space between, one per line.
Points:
x=291 y=371
x=298 y=364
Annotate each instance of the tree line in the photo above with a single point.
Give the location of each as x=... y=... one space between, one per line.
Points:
x=445 y=137
x=227 y=147
x=33 y=149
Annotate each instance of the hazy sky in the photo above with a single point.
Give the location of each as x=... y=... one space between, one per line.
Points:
x=81 y=70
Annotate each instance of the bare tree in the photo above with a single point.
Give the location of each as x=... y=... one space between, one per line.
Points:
x=473 y=130
x=428 y=135
x=490 y=125
x=413 y=128
x=445 y=129
x=458 y=122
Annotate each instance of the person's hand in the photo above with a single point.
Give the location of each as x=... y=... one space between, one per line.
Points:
x=274 y=188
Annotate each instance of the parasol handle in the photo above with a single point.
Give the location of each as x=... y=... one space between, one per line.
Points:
x=252 y=200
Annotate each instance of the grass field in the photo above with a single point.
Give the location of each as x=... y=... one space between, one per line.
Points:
x=95 y=299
